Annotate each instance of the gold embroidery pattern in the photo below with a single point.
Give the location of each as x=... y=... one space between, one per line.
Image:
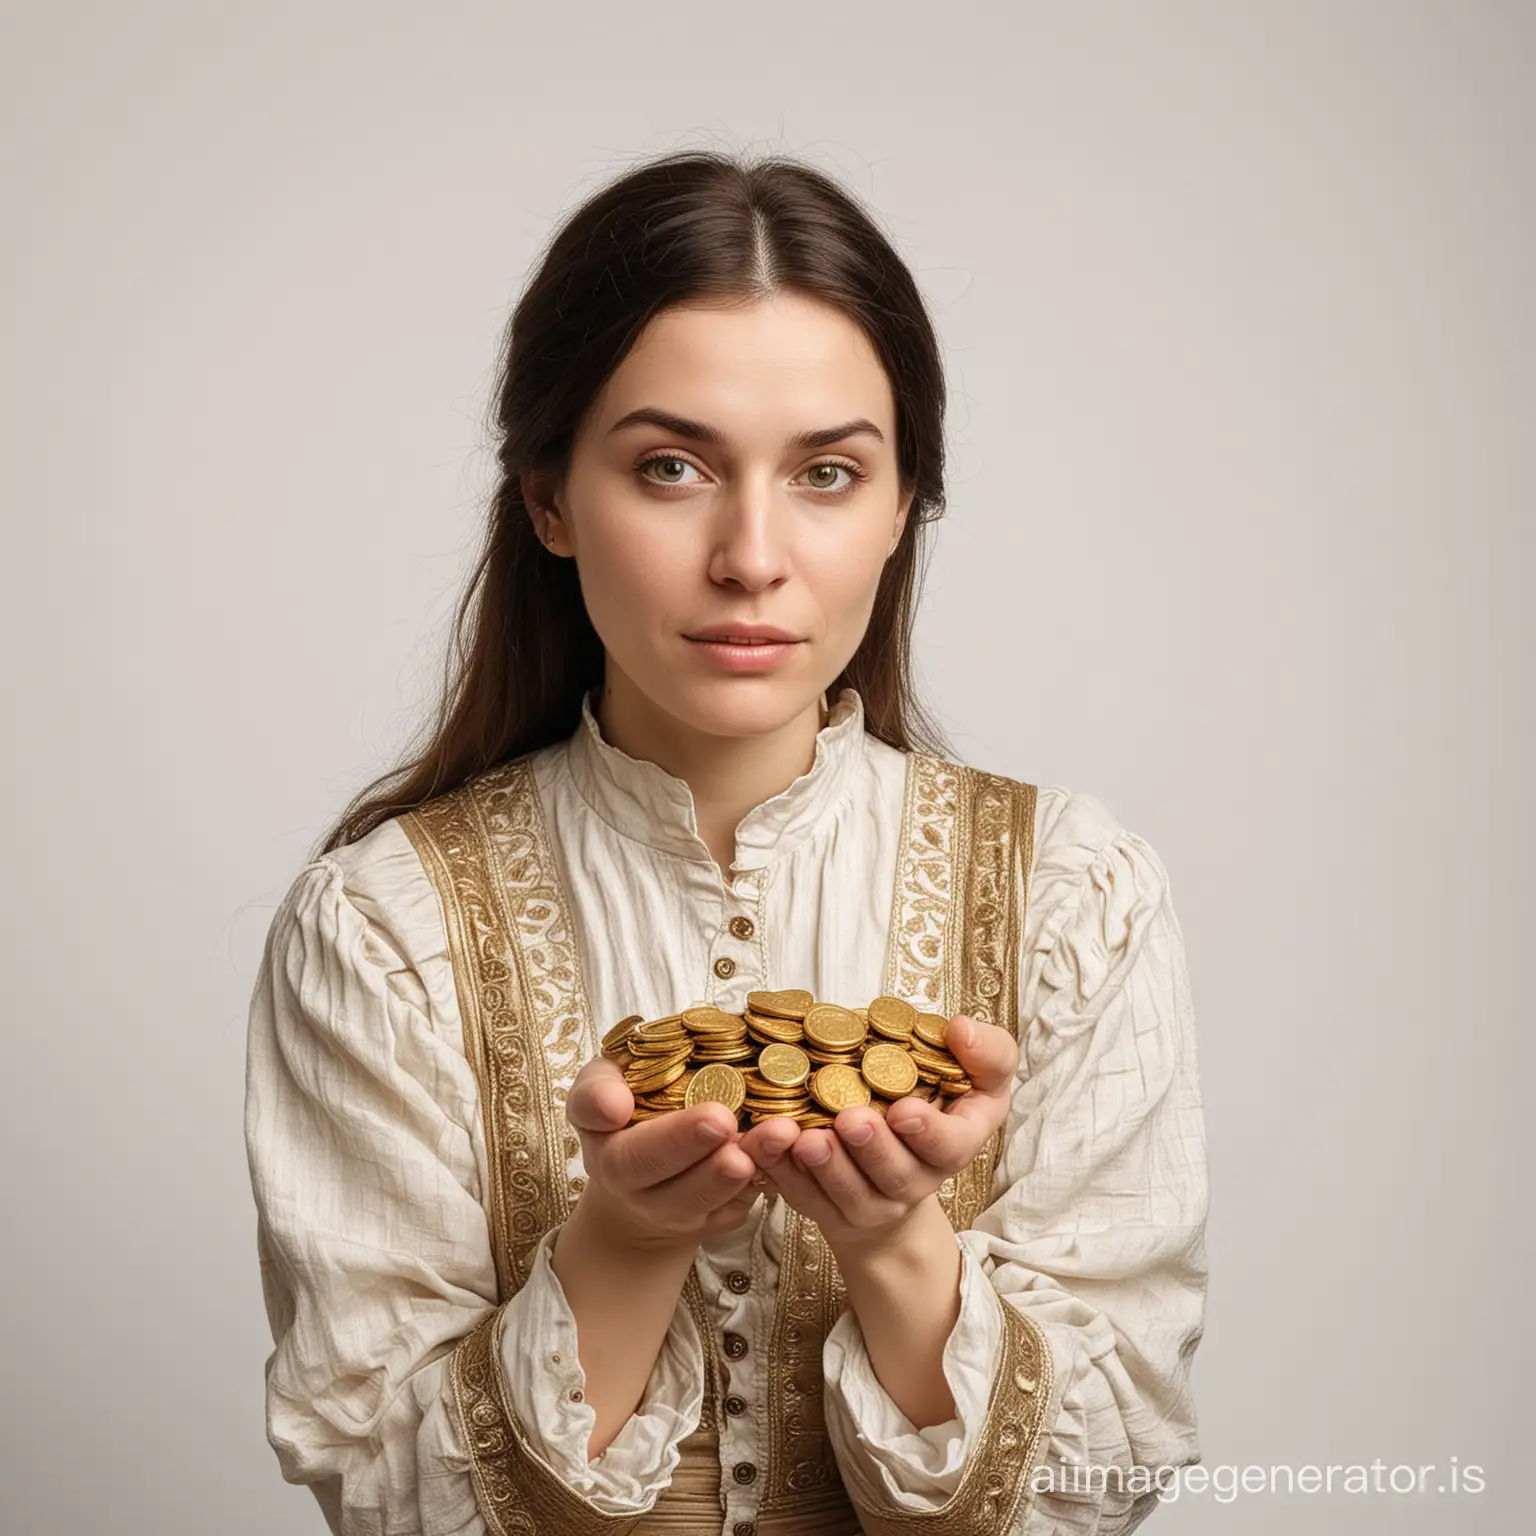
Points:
x=516 y=1492
x=923 y=894
x=810 y=1298
x=714 y=1361
x=458 y=854
x=524 y=1004
x=996 y=1480
x=1000 y=856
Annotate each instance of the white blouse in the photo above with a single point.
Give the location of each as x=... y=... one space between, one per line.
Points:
x=368 y=1155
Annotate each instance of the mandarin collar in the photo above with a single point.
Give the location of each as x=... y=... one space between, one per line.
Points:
x=641 y=800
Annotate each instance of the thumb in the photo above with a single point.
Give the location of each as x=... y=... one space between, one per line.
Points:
x=600 y=1099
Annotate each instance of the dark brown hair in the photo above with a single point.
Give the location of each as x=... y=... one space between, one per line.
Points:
x=691 y=227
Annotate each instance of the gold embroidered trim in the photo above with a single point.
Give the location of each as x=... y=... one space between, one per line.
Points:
x=519 y=1494
x=996 y=1479
x=921 y=965
x=515 y=969
x=714 y=1360
x=1000 y=851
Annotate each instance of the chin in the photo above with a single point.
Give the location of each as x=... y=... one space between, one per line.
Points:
x=742 y=706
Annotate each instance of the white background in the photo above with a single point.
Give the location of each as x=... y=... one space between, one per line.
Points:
x=1235 y=305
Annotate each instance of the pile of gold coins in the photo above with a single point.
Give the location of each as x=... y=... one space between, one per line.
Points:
x=786 y=1054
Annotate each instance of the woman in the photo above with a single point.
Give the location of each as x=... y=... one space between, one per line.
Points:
x=680 y=763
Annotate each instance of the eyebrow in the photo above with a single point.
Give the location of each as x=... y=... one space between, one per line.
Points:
x=702 y=432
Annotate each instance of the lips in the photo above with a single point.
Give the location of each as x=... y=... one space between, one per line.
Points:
x=746 y=634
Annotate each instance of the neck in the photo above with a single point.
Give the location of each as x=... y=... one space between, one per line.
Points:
x=728 y=775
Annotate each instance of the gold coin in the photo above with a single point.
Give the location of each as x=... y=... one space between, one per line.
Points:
x=956 y=1089
x=937 y=1066
x=831 y=1028
x=785 y=1066
x=759 y=1087
x=889 y=1069
x=659 y=1078
x=836 y=1088
x=726 y=1050
x=932 y=1029
x=789 y=1107
x=775 y=1037
x=812 y=1121
x=711 y=1021
x=717 y=1084
x=651 y=1049
x=653 y=1059
x=891 y=1017
x=620 y=1032
x=790 y=1004
x=660 y=1029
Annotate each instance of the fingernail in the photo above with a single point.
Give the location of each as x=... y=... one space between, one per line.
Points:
x=858 y=1134
x=709 y=1131
x=960 y=1032
x=905 y=1127
x=817 y=1152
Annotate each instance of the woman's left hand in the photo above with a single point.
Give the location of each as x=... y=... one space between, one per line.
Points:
x=860 y=1180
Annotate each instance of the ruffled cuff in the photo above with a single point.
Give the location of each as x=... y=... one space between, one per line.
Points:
x=912 y=1468
x=547 y=1388
x=990 y=1493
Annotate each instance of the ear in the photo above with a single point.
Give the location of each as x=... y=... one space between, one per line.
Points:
x=901 y=520
x=541 y=496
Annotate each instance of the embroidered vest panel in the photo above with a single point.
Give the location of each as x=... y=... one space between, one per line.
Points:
x=957 y=914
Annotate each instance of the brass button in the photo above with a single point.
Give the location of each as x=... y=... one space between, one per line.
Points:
x=735 y=1406
x=741 y=927
x=744 y=1528
x=739 y=1282
x=744 y=1472
x=735 y=1346
x=725 y=967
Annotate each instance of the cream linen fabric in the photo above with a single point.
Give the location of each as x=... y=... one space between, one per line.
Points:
x=368 y=1156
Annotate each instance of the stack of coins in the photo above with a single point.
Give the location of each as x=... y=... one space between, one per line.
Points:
x=786 y=1054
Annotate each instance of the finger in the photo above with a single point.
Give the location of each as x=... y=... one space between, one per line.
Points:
x=944 y=1139
x=843 y=1182
x=644 y=1155
x=768 y=1141
x=880 y=1155
x=989 y=1054
x=801 y=1190
x=599 y=1100
x=704 y=1187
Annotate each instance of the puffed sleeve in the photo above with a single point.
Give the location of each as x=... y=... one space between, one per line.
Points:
x=390 y=1391
x=1070 y=1370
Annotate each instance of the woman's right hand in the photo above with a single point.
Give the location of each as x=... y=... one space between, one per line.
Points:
x=673 y=1180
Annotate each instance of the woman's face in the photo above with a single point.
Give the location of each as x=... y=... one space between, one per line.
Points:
x=706 y=515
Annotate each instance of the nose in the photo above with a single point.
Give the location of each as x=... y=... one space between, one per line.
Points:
x=750 y=546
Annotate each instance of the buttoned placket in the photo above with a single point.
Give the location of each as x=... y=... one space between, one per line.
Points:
x=738 y=964
x=732 y=1274
x=738 y=955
